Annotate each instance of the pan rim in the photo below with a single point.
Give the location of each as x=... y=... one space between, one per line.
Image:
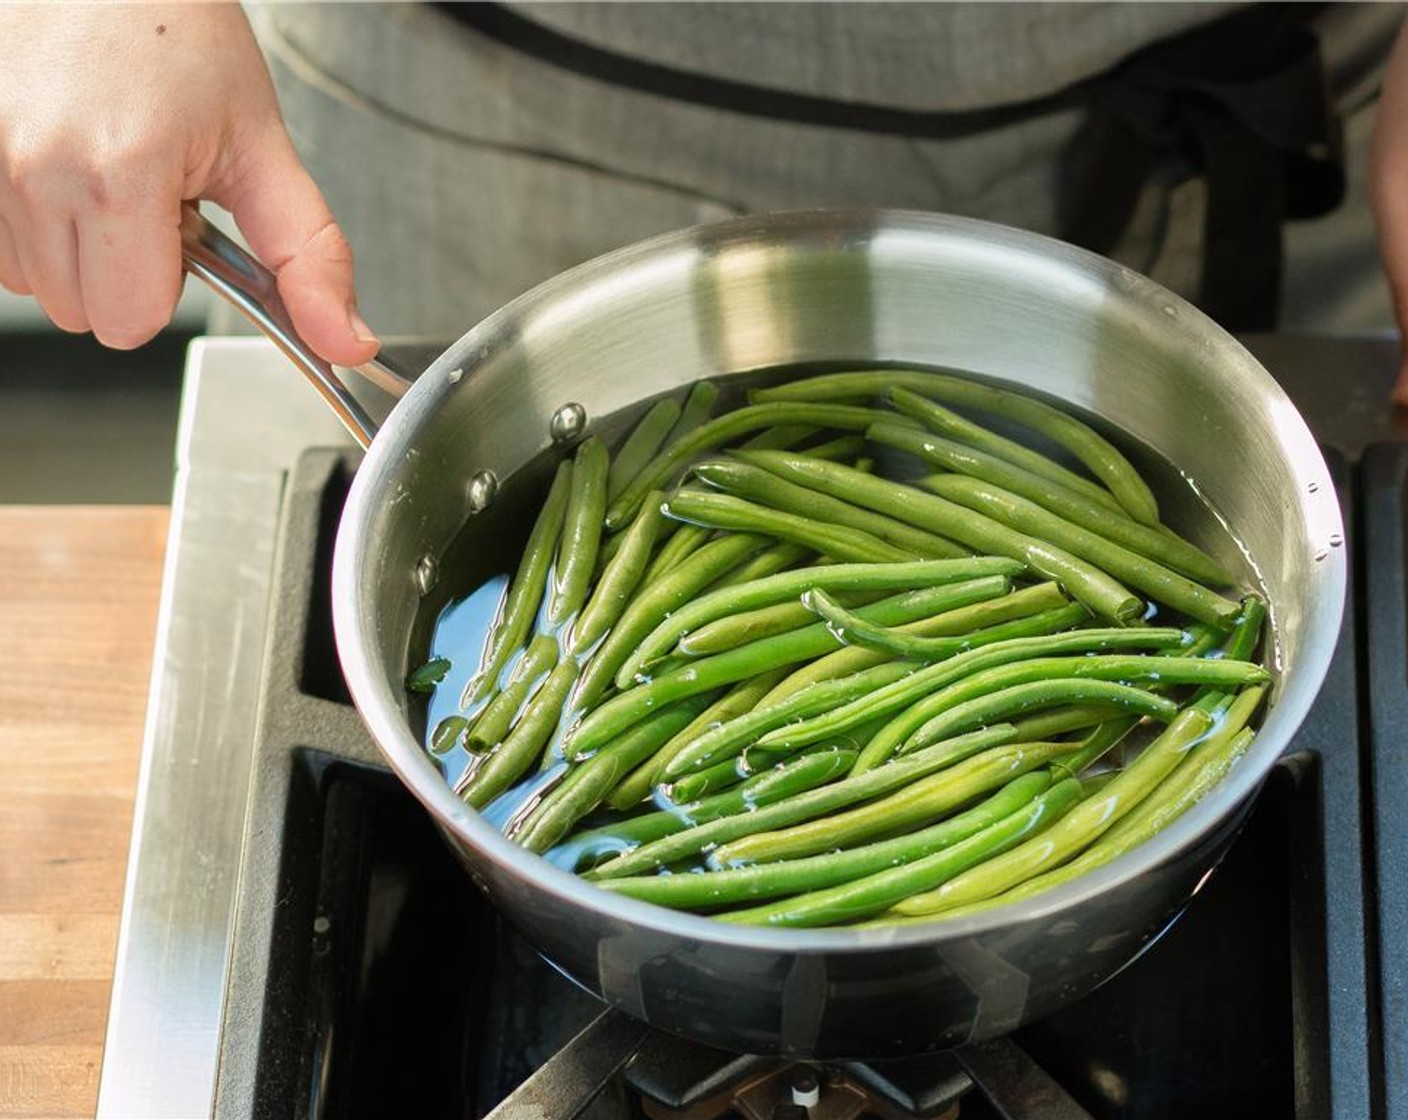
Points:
x=399 y=746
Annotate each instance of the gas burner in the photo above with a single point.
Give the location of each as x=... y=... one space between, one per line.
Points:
x=772 y=1090
x=681 y=1080
x=668 y=1078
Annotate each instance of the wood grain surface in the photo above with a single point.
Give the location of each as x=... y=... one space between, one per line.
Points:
x=78 y=602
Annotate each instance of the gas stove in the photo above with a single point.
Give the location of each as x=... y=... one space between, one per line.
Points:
x=297 y=941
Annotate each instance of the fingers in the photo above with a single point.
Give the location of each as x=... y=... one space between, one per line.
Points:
x=129 y=271
x=288 y=225
x=47 y=248
x=99 y=253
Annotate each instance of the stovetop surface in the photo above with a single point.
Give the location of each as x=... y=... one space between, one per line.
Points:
x=356 y=969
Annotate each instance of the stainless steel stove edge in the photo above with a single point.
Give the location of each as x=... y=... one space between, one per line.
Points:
x=244 y=420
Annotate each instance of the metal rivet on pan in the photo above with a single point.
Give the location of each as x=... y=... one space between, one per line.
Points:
x=454 y=376
x=1324 y=552
x=1336 y=540
x=427 y=572
x=1311 y=487
x=483 y=488
x=567 y=423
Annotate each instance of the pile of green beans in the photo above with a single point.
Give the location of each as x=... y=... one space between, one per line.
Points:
x=742 y=670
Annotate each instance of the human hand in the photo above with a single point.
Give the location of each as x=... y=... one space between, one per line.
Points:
x=1388 y=187
x=110 y=117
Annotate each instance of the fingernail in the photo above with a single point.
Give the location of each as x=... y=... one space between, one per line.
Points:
x=363 y=332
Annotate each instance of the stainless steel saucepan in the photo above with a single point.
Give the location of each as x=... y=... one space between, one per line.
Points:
x=804 y=289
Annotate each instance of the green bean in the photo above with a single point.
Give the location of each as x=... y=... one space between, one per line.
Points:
x=1184 y=788
x=873 y=893
x=657 y=600
x=1156 y=543
x=718 y=888
x=767 y=787
x=773 y=559
x=727 y=739
x=713 y=778
x=621 y=577
x=1058 y=721
x=791 y=810
x=1101 y=457
x=526 y=675
x=787 y=585
x=782 y=436
x=581 y=531
x=1044 y=694
x=933 y=681
x=761 y=622
x=1241 y=643
x=587 y=783
x=923 y=802
x=975 y=692
x=610 y=545
x=721 y=775
x=839 y=663
x=1206 y=765
x=1084 y=581
x=770 y=653
x=1246 y=631
x=1160 y=583
x=754 y=756
x=520 y=607
x=1202 y=638
x=901 y=726
x=1030 y=626
x=720 y=431
x=751 y=760
x=744 y=480
x=735 y=702
x=684 y=542
x=1019 y=605
x=722 y=511
x=698 y=404
x=1078 y=829
x=641 y=445
x=512 y=758
x=840 y=449
x=1095 y=746
x=945 y=422
x=855 y=631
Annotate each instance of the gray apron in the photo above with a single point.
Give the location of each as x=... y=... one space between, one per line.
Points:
x=466 y=165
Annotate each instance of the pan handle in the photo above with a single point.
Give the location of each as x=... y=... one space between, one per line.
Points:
x=237 y=276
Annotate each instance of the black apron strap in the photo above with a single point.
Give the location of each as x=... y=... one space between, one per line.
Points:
x=1245 y=103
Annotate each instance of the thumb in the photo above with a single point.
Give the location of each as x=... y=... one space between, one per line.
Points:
x=289 y=227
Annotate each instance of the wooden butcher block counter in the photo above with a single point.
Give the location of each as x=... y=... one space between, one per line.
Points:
x=78 y=604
